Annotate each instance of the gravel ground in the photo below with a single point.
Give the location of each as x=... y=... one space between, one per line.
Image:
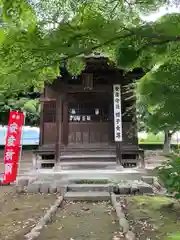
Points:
x=79 y=221
x=83 y=221
x=19 y=213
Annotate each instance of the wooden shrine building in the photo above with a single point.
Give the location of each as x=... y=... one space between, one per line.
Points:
x=77 y=117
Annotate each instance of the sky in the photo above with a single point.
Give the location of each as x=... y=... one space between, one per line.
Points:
x=162 y=11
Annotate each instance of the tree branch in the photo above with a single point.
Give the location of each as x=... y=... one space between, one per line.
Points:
x=131 y=32
x=156 y=36
x=85 y=51
x=91 y=49
x=153 y=36
x=152 y=43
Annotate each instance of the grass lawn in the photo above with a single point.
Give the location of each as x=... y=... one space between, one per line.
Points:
x=153 y=217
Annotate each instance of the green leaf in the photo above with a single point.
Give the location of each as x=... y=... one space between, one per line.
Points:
x=175 y=236
x=75 y=66
x=126 y=57
x=177 y=195
x=169 y=24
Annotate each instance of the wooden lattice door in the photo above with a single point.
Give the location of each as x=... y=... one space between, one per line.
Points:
x=89 y=119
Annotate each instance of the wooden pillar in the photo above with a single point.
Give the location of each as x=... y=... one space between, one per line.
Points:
x=42 y=120
x=58 y=125
x=65 y=120
x=41 y=125
x=118 y=153
x=141 y=159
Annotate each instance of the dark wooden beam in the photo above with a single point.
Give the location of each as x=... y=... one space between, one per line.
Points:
x=42 y=122
x=58 y=125
x=65 y=124
x=42 y=125
x=96 y=89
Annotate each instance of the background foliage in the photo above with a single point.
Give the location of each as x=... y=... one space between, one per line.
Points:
x=30 y=106
x=169 y=174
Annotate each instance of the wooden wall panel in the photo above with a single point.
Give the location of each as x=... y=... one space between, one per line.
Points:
x=88 y=133
x=49 y=92
x=49 y=133
x=49 y=125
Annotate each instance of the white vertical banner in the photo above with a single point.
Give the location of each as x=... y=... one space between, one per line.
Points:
x=117 y=113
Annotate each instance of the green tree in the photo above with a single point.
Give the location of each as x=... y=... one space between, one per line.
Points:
x=158 y=104
x=35 y=38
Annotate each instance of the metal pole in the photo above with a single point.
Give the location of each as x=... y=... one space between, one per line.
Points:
x=21 y=143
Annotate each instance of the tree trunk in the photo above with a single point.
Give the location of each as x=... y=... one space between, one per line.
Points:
x=167 y=142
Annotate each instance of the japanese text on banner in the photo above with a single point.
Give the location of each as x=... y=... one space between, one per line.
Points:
x=117 y=113
x=13 y=145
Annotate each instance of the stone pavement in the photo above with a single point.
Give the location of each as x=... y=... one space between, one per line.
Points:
x=52 y=181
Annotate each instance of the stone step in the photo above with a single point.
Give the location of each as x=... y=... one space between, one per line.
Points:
x=87 y=196
x=87 y=179
x=88 y=188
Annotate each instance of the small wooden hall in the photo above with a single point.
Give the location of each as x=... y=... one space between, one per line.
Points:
x=78 y=121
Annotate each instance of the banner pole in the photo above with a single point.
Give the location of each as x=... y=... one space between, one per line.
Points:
x=5 y=146
x=21 y=145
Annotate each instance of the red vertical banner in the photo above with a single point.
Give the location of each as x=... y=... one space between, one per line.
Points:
x=12 y=148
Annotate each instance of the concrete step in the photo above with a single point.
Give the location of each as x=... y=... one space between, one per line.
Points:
x=93 y=164
x=88 y=157
x=101 y=163
x=87 y=165
x=71 y=176
x=87 y=196
x=89 y=174
x=88 y=188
